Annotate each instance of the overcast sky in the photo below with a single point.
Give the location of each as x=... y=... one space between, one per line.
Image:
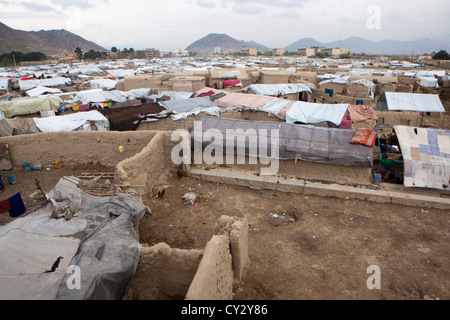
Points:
x=173 y=24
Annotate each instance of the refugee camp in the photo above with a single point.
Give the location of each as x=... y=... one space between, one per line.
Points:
x=224 y=171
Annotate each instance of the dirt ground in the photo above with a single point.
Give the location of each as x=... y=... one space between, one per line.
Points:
x=321 y=250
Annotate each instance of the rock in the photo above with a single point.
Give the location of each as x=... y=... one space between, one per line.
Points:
x=189 y=198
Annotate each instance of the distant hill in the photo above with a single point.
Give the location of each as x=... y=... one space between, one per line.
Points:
x=205 y=46
x=48 y=42
x=386 y=47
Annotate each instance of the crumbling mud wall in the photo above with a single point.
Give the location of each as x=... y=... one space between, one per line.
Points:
x=166 y=273
x=144 y=170
x=76 y=148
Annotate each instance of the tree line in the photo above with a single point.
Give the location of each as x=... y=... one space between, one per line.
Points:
x=16 y=57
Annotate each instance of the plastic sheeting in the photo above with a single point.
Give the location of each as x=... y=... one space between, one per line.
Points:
x=73 y=121
x=38 y=91
x=243 y=100
x=308 y=143
x=399 y=101
x=26 y=85
x=23 y=106
x=107 y=84
x=182 y=108
x=99 y=240
x=98 y=95
x=275 y=89
x=276 y=107
x=310 y=113
x=429 y=82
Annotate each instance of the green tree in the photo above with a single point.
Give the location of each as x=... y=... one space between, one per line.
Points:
x=322 y=55
x=441 y=55
x=7 y=61
x=79 y=53
x=114 y=50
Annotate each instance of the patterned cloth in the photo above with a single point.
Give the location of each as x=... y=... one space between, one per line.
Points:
x=426 y=153
x=364 y=137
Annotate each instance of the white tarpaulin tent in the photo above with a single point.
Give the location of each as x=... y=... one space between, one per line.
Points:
x=26 y=85
x=429 y=82
x=73 y=121
x=275 y=89
x=38 y=91
x=108 y=84
x=99 y=240
x=182 y=108
x=99 y=95
x=310 y=113
x=400 y=101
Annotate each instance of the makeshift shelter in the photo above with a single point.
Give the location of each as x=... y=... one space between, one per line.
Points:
x=291 y=91
x=426 y=156
x=182 y=108
x=24 y=106
x=86 y=121
x=312 y=113
x=26 y=85
x=418 y=106
x=92 y=234
x=107 y=84
x=242 y=100
x=38 y=91
x=129 y=118
x=307 y=143
x=17 y=126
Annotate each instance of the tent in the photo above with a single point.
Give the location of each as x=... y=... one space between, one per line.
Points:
x=24 y=106
x=400 y=101
x=26 y=85
x=307 y=143
x=182 y=108
x=98 y=241
x=38 y=91
x=426 y=156
x=73 y=121
x=107 y=84
x=276 y=89
x=242 y=100
x=311 y=113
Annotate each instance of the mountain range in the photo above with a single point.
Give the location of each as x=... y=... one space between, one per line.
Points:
x=48 y=42
x=55 y=41
x=206 y=45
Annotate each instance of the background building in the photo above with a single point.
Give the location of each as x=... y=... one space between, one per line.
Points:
x=279 y=52
x=250 y=51
x=152 y=53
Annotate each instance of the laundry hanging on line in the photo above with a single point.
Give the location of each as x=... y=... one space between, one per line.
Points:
x=14 y=205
